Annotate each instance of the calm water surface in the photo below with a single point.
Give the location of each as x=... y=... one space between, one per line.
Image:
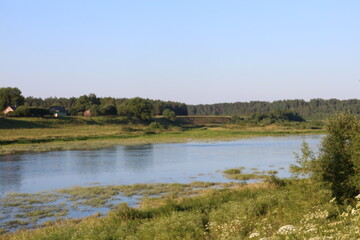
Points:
x=176 y=162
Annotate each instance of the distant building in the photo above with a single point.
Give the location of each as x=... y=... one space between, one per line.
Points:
x=87 y=113
x=58 y=111
x=10 y=108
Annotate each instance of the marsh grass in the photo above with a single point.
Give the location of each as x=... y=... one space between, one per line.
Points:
x=29 y=210
x=232 y=171
x=236 y=174
x=295 y=210
x=246 y=176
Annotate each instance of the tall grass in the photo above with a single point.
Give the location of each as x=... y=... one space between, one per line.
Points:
x=293 y=210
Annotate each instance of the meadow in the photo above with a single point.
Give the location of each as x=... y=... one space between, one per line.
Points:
x=19 y=135
x=275 y=209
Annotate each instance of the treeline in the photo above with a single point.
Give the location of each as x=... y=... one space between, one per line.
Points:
x=137 y=108
x=102 y=106
x=314 y=109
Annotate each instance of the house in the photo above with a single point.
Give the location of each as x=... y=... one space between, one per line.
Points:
x=87 y=113
x=10 y=108
x=58 y=111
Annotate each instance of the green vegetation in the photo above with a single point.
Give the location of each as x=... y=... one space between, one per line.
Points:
x=10 y=96
x=24 y=111
x=169 y=115
x=48 y=134
x=338 y=166
x=315 y=109
x=289 y=211
x=89 y=105
x=19 y=210
x=233 y=171
x=237 y=174
x=136 y=109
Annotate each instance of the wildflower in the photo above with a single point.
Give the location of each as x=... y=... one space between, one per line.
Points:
x=310 y=230
x=318 y=214
x=287 y=229
x=353 y=211
x=344 y=214
x=336 y=223
x=255 y=234
x=357 y=197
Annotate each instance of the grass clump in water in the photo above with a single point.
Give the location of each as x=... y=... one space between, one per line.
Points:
x=94 y=196
x=236 y=174
x=232 y=171
x=245 y=176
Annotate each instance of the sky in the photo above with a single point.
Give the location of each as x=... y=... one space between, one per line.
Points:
x=191 y=51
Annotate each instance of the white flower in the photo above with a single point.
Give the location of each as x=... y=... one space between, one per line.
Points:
x=333 y=200
x=357 y=197
x=255 y=234
x=287 y=229
x=353 y=211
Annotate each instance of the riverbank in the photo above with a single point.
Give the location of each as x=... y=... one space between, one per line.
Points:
x=276 y=209
x=23 y=135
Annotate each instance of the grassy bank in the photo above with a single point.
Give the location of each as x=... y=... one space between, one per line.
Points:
x=38 y=134
x=278 y=209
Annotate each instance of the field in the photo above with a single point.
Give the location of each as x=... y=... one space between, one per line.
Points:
x=20 y=135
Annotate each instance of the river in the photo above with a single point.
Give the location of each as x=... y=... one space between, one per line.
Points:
x=156 y=163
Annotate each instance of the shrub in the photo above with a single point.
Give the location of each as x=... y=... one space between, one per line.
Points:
x=154 y=126
x=338 y=165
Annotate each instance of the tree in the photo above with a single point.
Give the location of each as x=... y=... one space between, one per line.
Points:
x=10 y=96
x=169 y=115
x=84 y=103
x=337 y=166
x=338 y=161
x=107 y=110
x=136 y=108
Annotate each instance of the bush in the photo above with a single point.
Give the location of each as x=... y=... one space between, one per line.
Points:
x=169 y=115
x=338 y=165
x=154 y=126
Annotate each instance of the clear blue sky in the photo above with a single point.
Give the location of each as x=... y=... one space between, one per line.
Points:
x=193 y=51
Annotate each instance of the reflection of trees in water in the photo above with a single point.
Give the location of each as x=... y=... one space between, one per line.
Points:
x=10 y=173
x=138 y=157
x=94 y=162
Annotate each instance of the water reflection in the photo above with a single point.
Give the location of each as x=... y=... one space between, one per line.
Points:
x=10 y=173
x=93 y=162
x=138 y=158
x=179 y=162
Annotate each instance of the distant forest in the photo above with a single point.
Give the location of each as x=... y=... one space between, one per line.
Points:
x=314 y=109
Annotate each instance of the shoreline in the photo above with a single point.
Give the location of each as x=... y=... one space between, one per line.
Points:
x=106 y=141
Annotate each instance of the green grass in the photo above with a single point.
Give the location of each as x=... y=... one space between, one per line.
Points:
x=233 y=171
x=20 y=135
x=245 y=176
x=295 y=209
x=236 y=174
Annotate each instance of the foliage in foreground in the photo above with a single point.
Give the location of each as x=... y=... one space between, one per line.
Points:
x=337 y=166
x=296 y=210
